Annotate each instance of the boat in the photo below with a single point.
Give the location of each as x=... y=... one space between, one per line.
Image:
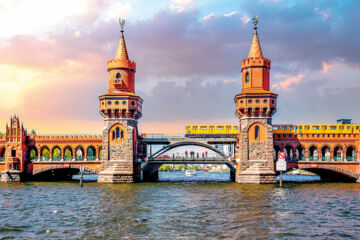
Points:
x=190 y=173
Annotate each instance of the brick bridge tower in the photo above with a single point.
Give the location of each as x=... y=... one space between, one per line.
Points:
x=255 y=106
x=121 y=109
x=15 y=151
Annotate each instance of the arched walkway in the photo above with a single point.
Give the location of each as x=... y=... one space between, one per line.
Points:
x=91 y=153
x=56 y=154
x=277 y=149
x=289 y=153
x=300 y=153
x=313 y=154
x=325 y=153
x=45 y=154
x=33 y=154
x=350 y=154
x=338 y=154
x=79 y=153
x=68 y=153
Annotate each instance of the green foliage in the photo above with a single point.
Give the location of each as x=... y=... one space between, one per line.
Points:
x=56 y=152
x=33 y=154
x=45 y=153
x=67 y=153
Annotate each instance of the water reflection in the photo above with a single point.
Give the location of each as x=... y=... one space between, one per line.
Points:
x=179 y=210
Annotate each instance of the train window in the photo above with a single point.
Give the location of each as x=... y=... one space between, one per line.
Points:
x=300 y=127
x=290 y=127
x=315 y=127
x=323 y=127
x=203 y=128
x=357 y=128
x=275 y=127
x=348 y=127
x=235 y=127
x=211 y=127
x=220 y=128
x=194 y=128
x=332 y=127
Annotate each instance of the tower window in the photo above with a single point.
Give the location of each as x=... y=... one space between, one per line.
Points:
x=247 y=77
x=118 y=76
x=117 y=133
x=256 y=132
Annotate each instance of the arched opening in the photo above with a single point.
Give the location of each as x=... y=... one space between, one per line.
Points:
x=100 y=153
x=256 y=132
x=113 y=135
x=68 y=156
x=45 y=154
x=338 y=153
x=13 y=152
x=300 y=153
x=2 y=154
x=289 y=153
x=91 y=153
x=329 y=175
x=325 y=153
x=56 y=154
x=277 y=149
x=33 y=154
x=79 y=154
x=350 y=154
x=313 y=154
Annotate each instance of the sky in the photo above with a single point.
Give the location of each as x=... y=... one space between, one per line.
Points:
x=53 y=57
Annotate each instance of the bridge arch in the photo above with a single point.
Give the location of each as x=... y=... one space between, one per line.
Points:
x=277 y=149
x=325 y=152
x=187 y=143
x=91 y=153
x=68 y=153
x=56 y=153
x=328 y=171
x=62 y=166
x=300 y=152
x=79 y=153
x=350 y=153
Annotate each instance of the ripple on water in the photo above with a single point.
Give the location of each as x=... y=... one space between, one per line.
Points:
x=179 y=210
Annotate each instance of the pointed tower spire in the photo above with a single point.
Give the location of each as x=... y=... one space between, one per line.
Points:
x=121 y=52
x=255 y=49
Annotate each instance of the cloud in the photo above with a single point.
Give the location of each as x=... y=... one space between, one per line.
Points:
x=327 y=66
x=180 y=5
x=207 y=17
x=230 y=14
x=287 y=83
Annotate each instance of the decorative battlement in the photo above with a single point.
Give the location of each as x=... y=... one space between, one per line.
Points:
x=118 y=64
x=66 y=137
x=255 y=62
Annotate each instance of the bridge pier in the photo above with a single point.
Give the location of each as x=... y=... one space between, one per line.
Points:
x=150 y=173
x=10 y=176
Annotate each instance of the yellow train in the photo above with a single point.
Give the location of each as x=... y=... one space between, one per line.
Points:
x=211 y=130
x=232 y=129
x=317 y=129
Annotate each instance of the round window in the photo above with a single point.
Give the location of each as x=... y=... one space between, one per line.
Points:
x=265 y=101
x=118 y=76
x=241 y=101
x=132 y=103
x=109 y=102
x=250 y=101
x=124 y=102
x=257 y=101
x=117 y=102
x=272 y=101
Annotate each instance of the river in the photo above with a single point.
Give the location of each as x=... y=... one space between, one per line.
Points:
x=179 y=210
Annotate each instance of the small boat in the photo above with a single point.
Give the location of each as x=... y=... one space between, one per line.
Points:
x=205 y=170
x=190 y=173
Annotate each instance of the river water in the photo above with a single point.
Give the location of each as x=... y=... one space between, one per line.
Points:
x=179 y=210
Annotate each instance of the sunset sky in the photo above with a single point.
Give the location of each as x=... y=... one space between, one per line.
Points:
x=53 y=58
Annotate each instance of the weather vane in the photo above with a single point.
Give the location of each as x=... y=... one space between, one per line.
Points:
x=122 y=23
x=255 y=21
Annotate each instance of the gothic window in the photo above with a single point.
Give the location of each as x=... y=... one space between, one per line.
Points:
x=256 y=132
x=13 y=152
x=117 y=133
x=122 y=134
x=247 y=77
x=118 y=78
x=113 y=135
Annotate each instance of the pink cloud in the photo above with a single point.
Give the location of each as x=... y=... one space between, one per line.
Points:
x=289 y=81
x=327 y=66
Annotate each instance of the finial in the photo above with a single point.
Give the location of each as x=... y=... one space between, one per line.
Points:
x=255 y=21
x=122 y=23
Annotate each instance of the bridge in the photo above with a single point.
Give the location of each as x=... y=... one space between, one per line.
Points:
x=168 y=143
